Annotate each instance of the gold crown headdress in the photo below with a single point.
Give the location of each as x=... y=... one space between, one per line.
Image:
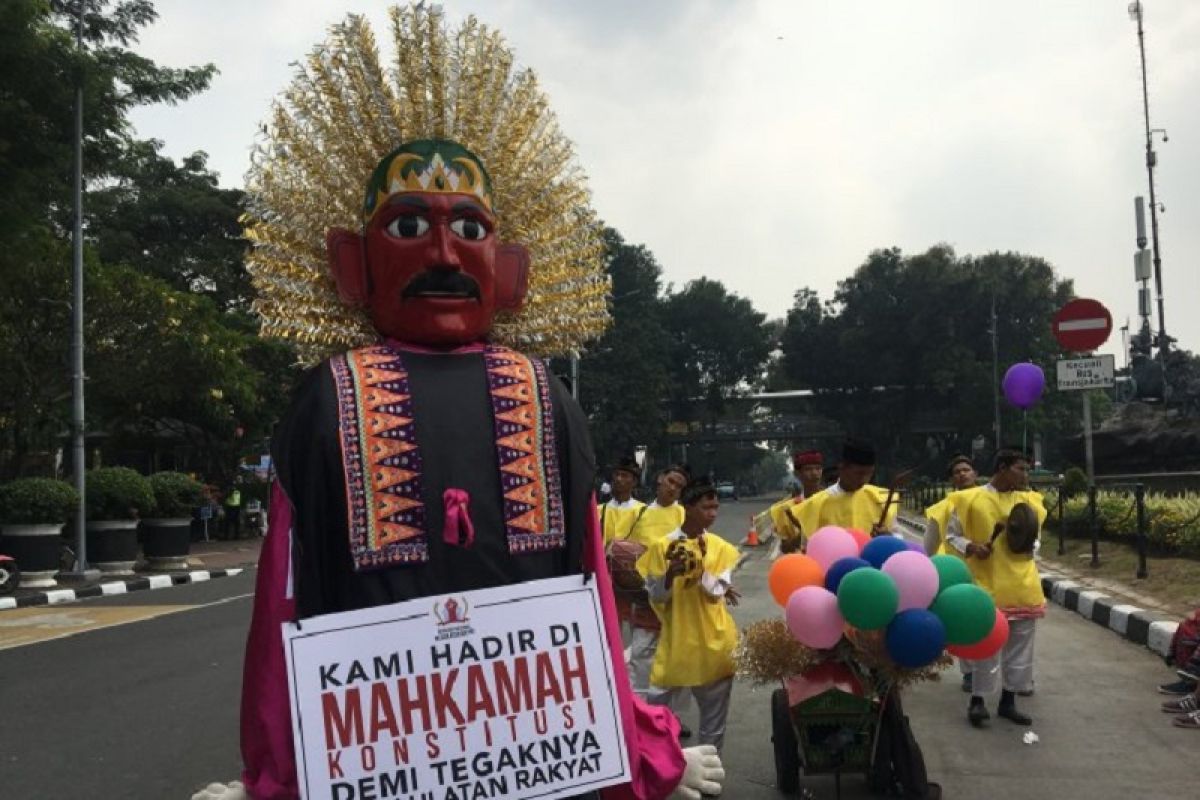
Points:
x=344 y=111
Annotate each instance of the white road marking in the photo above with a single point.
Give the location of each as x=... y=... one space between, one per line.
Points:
x=76 y=619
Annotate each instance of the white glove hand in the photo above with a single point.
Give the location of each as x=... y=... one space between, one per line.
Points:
x=702 y=775
x=222 y=791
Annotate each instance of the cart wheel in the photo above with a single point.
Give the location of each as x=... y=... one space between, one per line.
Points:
x=10 y=575
x=787 y=748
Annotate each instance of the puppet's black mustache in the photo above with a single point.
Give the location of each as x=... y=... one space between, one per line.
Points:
x=441 y=283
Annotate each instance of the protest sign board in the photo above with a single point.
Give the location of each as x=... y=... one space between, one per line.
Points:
x=495 y=693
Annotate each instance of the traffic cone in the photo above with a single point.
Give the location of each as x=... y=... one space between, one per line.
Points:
x=752 y=536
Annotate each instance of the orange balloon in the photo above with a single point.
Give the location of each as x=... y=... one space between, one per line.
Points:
x=791 y=572
x=859 y=537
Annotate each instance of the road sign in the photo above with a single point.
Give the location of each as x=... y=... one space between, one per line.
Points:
x=1082 y=325
x=1076 y=374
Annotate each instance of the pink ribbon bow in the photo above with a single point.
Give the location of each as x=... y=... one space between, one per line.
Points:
x=458 y=531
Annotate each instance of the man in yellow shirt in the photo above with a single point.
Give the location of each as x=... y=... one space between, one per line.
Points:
x=689 y=577
x=619 y=514
x=852 y=502
x=937 y=518
x=654 y=522
x=979 y=529
x=807 y=466
x=962 y=476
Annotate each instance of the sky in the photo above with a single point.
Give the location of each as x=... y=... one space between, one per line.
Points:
x=773 y=144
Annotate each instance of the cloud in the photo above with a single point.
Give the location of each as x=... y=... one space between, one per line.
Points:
x=773 y=144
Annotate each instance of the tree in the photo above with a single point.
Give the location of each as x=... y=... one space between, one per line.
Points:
x=40 y=67
x=170 y=343
x=718 y=344
x=902 y=352
x=166 y=363
x=34 y=325
x=173 y=222
x=623 y=377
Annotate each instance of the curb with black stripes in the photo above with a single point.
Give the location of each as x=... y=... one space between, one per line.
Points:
x=56 y=596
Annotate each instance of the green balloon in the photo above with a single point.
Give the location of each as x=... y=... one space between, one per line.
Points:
x=967 y=611
x=868 y=598
x=951 y=570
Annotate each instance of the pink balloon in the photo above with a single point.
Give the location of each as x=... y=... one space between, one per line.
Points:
x=829 y=544
x=916 y=577
x=813 y=617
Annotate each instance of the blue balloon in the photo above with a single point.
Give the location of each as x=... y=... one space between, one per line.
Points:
x=881 y=548
x=915 y=638
x=840 y=569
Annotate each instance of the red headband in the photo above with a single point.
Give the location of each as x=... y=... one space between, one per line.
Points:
x=808 y=457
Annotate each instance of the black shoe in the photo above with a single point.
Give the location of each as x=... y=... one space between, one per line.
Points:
x=685 y=732
x=978 y=714
x=1183 y=686
x=966 y=683
x=1010 y=712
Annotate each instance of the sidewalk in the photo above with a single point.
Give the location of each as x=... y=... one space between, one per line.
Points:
x=208 y=560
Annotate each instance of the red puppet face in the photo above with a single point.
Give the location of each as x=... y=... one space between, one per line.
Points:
x=428 y=267
x=431 y=269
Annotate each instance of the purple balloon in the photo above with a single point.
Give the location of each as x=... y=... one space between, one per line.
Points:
x=1023 y=384
x=813 y=617
x=916 y=577
x=915 y=546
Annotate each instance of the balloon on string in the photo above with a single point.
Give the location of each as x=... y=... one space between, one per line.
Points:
x=840 y=569
x=868 y=598
x=967 y=611
x=829 y=544
x=881 y=548
x=859 y=536
x=791 y=572
x=1023 y=385
x=915 y=577
x=988 y=646
x=951 y=570
x=915 y=638
x=813 y=617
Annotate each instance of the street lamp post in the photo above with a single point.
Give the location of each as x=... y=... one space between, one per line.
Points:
x=79 y=456
x=1135 y=13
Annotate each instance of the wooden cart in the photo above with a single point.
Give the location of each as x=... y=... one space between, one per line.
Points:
x=823 y=722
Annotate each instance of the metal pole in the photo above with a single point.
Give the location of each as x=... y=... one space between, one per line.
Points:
x=1089 y=461
x=79 y=455
x=1139 y=493
x=1095 y=533
x=995 y=371
x=1151 y=160
x=575 y=374
x=1062 y=522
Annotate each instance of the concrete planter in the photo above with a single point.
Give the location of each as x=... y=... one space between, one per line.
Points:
x=112 y=546
x=166 y=542
x=36 y=549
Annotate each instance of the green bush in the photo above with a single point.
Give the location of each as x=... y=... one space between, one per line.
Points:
x=37 y=501
x=115 y=493
x=1172 y=523
x=175 y=494
x=1074 y=482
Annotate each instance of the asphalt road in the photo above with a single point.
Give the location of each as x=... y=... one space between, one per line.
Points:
x=138 y=699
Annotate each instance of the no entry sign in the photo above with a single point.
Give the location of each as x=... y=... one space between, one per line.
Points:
x=1082 y=325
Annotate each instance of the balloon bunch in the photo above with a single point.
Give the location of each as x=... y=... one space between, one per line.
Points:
x=923 y=605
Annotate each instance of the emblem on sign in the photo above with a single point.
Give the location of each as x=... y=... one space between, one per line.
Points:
x=451 y=612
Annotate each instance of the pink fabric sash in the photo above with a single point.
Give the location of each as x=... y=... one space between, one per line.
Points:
x=458 y=530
